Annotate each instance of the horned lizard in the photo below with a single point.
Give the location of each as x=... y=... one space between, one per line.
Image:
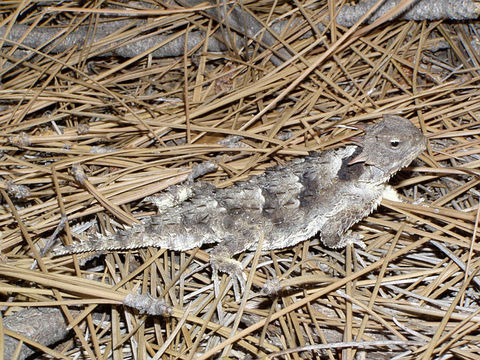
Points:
x=323 y=193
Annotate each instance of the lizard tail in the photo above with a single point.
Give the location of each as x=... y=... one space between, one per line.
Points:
x=122 y=240
x=141 y=236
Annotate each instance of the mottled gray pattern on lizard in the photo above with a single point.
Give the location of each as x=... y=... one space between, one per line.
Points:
x=323 y=193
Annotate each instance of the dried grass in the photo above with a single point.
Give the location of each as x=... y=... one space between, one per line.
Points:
x=136 y=126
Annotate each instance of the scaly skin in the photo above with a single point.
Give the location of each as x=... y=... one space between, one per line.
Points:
x=323 y=193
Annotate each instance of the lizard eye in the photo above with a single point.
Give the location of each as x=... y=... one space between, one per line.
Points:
x=394 y=143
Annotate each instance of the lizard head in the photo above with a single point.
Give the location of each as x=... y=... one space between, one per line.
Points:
x=388 y=146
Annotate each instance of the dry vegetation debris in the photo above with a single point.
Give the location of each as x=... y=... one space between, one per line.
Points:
x=87 y=132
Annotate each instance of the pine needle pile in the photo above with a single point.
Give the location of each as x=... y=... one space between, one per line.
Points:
x=105 y=103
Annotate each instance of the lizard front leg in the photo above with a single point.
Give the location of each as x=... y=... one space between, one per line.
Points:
x=335 y=232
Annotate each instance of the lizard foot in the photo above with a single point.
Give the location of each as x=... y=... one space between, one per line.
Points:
x=231 y=267
x=351 y=238
x=338 y=241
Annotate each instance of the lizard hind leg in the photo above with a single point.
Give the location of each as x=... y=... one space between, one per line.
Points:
x=221 y=259
x=231 y=267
